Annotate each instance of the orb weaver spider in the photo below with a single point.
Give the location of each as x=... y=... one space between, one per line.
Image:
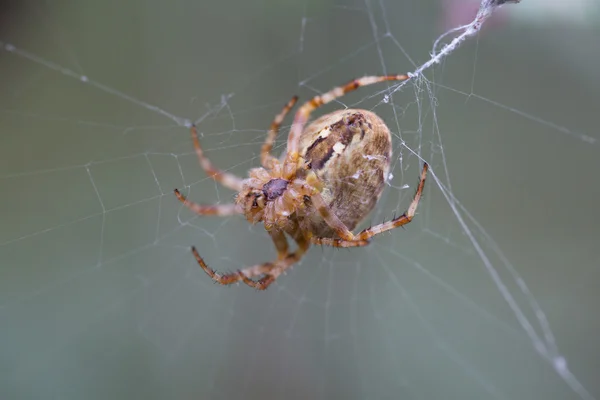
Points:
x=328 y=180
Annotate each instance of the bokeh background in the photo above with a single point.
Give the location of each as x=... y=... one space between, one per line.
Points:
x=491 y=293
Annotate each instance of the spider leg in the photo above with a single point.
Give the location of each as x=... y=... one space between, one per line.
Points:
x=270 y=270
x=265 y=153
x=221 y=210
x=279 y=267
x=225 y=178
x=347 y=238
x=303 y=113
x=338 y=242
x=280 y=242
x=233 y=277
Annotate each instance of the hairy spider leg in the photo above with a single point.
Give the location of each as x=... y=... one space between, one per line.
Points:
x=265 y=152
x=280 y=242
x=347 y=238
x=221 y=210
x=269 y=270
x=225 y=178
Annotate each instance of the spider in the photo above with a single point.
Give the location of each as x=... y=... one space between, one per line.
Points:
x=328 y=180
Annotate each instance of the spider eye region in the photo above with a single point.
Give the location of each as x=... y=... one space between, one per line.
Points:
x=274 y=188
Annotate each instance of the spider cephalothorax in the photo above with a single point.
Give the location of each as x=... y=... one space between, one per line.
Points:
x=328 y=180
x=271 y=197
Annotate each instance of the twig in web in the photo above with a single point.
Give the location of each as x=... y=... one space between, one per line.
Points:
x=486 y=9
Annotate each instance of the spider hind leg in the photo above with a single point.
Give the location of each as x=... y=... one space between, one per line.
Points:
x=348 y=239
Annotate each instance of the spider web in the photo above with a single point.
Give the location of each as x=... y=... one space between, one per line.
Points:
x=489 y=293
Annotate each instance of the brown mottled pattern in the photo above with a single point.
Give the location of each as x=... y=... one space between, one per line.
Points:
x=354 y=179
x=342 y=131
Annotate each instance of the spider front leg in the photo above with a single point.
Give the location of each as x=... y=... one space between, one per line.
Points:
x=221 y=210
x=225 y=178
x=270 y=270
x=265 y=152
x=347 y=238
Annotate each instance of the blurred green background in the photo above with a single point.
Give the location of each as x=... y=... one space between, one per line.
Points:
x=100 y=297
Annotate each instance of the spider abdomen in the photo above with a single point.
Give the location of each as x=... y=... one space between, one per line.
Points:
x=350 y=152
